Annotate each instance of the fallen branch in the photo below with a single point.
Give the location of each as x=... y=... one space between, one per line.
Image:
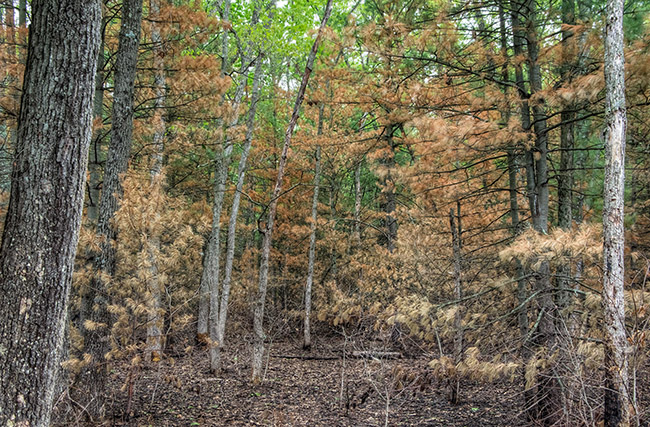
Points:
x=289 y=356
x=377 y=354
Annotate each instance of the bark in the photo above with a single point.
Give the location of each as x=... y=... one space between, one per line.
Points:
x=617 y=390
x=234 y=212
x=258 y=315
x=42 y=224
x=96 y=328
x=154 y=309
x=312 y=239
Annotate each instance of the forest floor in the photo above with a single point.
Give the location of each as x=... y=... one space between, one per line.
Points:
x=317 y=388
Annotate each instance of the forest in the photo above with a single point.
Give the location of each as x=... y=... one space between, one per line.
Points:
x=324 y=213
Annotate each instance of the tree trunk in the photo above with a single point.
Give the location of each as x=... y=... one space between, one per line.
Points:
x=617 y=390
x=312 y=239
x=96 y=328
x=258 y=315
x=154 y=309
x=42 y=224
x=96 y=154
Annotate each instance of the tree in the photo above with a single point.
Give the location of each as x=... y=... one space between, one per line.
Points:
x=96 y=322
x=616 y=363
x=42 y=225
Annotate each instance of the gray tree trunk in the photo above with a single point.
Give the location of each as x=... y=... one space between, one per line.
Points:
x=154 y=309
x=96 y=329
x=258 y=314
x=617 y=390
x=96 y=153
x=42 y=224
x=312 y=239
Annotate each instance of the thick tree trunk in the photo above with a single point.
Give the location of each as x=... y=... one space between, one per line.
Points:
x=258 y=314
x=42 y=224
x=312 y=240
x=234 y=212
x=96 y=328
x=617 y=402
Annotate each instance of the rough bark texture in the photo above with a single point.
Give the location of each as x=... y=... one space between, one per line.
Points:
x=42 y=225
x=96 y=329
x=258 y=314
x=616 y=364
